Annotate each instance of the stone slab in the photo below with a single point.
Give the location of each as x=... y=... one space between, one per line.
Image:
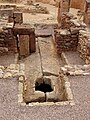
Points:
x=44 y=30
x=24 y=45
x=23 y=29
x=33 y=66
x=50 y=60
x=32 y=42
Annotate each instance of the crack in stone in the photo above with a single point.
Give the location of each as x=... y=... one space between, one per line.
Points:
x=49 y=74
x=44 y=73
x=40 y=57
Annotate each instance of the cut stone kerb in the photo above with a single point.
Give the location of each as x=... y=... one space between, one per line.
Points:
x=44 y=85
x=47 y=89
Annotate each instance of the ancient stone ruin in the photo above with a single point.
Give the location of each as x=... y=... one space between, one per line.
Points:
x=42 y=66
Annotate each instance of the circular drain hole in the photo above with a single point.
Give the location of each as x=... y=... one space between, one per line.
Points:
x=43 y=87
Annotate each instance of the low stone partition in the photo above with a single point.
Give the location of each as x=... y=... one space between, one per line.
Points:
x=7 y=5
x=74 y=70
x=13 y=70
x=84 y=46
x=6 y=11
x=66 y=40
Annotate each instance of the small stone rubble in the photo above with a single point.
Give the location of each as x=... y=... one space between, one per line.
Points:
x=74 y=70
x=84 y=46
x=69 y=21
x=13 y=70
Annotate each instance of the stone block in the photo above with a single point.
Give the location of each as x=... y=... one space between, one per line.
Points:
x=84 y=46
x=32 y=43
x=51 y=97
x=23 y=29
x=37 y=96
x=24 y=45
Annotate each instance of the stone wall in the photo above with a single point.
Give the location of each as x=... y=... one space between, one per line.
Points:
x=7 y=41
x=66 y=36
x=84 y=46
x=65 y=40
x=75 y=70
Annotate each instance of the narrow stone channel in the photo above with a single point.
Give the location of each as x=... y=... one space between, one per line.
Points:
x=42 y=71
